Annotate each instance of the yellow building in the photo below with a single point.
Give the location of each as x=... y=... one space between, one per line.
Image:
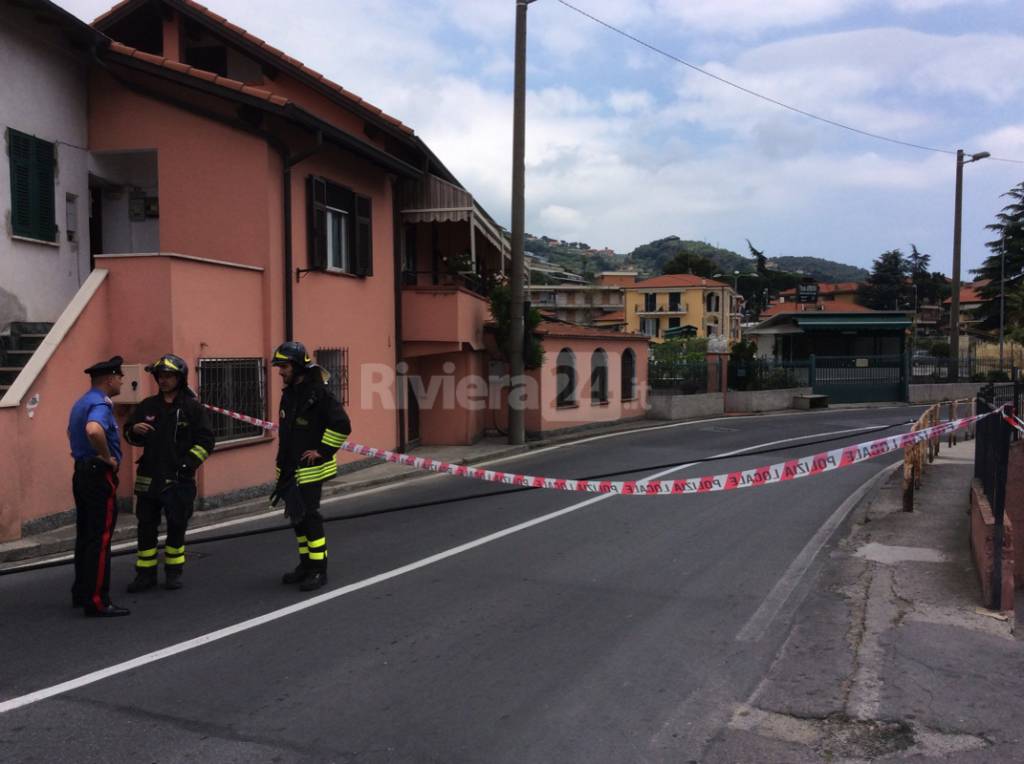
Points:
x=706 y=306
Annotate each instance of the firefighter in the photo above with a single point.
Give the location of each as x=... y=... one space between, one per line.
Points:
x=174 y=431
x=96 y=449
x=313 y=426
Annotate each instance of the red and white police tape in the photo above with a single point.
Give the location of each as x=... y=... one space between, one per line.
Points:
x=792 y=469
x=1015 y=422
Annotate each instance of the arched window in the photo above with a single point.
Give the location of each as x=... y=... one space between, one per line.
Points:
x=628 y=375
x=599 y=377
x=565 y=380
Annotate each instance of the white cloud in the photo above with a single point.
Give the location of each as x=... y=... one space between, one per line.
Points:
x=615 y=157
x=626 y=101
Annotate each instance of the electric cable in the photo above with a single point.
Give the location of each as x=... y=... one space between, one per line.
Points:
x=469 y=497
x=769 y=99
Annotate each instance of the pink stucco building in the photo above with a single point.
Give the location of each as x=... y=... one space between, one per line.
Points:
x=238 y=198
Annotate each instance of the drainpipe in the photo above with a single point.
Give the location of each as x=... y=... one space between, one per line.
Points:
x=400 y=379
x=289 y=162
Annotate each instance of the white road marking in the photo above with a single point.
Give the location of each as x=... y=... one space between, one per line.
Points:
x=214 y=636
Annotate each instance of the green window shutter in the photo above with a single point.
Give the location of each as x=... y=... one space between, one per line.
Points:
x=33 y=212
x=20 y=150
x=46 y=222
x=363 y=237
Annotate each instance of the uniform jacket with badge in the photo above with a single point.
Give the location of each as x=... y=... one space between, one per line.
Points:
x=180 y=442
x=311 y=419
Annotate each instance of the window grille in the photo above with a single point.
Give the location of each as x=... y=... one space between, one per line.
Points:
x=565 y=372
x=599 y=377
x=335 y=362
x=236 y=384
x=628 y=375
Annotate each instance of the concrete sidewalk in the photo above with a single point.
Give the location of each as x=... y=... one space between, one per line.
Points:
x=891 y=656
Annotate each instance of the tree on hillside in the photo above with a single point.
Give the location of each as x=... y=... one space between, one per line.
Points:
x=1007 y=254
x=886 y=287
x=687 y=262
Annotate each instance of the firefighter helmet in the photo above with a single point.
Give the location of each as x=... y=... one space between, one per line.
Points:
x=293 y=353
x=172 y=363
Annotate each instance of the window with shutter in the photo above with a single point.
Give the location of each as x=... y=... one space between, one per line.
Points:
x=364 y=237
x=316 y=194
x=340 y=232
x=33 y=214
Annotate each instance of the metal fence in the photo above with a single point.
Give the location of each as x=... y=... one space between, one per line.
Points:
x=682 y=377
x=925 y=369
x=767 y=374
x=238 y=384
x=991 y=458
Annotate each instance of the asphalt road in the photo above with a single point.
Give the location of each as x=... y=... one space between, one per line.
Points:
x=623 y=629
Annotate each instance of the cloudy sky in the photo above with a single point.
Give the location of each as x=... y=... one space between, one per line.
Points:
x=625 y=145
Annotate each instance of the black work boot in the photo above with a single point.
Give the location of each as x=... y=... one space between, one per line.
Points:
x=314 y=580
x=172 y=577
x=144 y=579
x=297 y=576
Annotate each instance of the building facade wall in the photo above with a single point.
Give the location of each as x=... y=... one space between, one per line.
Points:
x=44 y=95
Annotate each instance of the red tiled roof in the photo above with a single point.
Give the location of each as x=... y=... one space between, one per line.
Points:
x=677 y=280
x=274 y=53
x=969 y=293
x=617 y=315
x=563 y=329
x=843 y=287
x=813 y=307
x=201 y=74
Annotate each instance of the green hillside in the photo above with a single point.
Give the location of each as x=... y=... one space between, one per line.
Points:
x=819 y=268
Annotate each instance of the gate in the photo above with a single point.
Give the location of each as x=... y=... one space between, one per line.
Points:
x=859 y=379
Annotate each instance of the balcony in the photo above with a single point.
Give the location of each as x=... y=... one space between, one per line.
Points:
x=442 y=318
x=679 y=310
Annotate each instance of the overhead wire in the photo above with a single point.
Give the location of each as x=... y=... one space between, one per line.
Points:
x=763 y=97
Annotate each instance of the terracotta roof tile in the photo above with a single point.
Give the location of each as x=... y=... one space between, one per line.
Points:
x=564 y=329
x=149 y=57
x=191 y=71
x=203 y=75
x=271 y=49
x=177 y=66
x=112 y=11
x=677 y=280
x=257 y=92
x=229 y=83
x=281 y=56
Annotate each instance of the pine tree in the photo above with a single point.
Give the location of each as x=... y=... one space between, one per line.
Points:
x=886 y=287
x=1007 y=253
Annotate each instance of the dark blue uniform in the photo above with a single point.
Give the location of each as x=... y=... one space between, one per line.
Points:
x=94 y=486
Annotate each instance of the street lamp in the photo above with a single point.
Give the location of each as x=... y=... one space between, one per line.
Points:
x=954 y=317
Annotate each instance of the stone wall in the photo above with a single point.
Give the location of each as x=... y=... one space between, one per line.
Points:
x=982 y=532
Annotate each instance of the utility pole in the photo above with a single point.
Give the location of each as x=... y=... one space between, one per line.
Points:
x=1002 y=301
x=954 y=305
x=516 y=412
x=954 y=308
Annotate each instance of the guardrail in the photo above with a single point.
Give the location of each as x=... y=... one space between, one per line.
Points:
x=914 y=457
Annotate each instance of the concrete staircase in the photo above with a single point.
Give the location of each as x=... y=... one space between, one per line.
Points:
x=18 y=341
